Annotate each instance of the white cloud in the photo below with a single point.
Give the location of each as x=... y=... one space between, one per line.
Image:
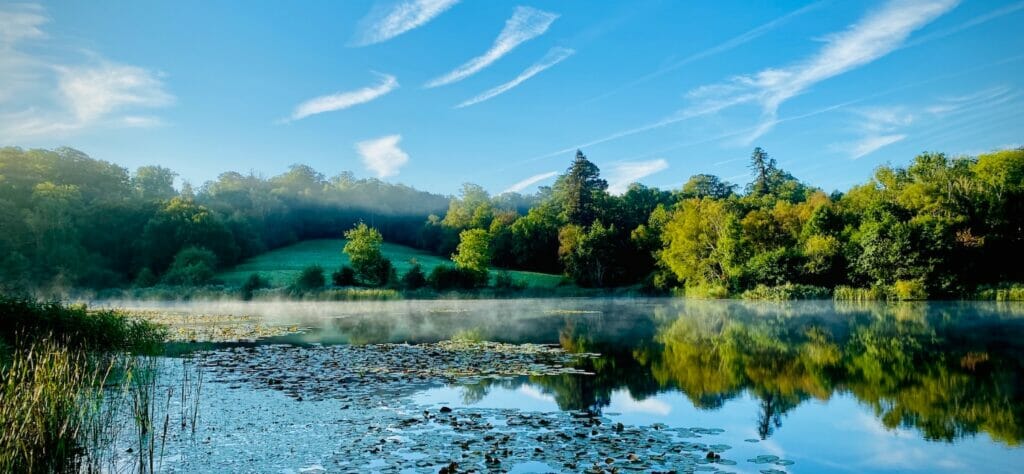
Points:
x=41 y=98
x=344 y=100
x=383 y=24
x=21 y=22
x=727 y=45
x=877 y=127
x=382 y=155
x=870 y=144
x=873 y=37
x=555 y=56
x=626 y=173
x=94 y=92
x=526 y=183
x=525 y=24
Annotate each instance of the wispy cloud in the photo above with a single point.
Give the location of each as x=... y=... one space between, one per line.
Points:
x=344 y=100
x=878 y=127
x=526 y=183
x=727 y=45
x=555 y=56
x=382 y=155
x=94 y=92
x=48 y=99
x=873 y=37
x=525 y=24
x=978 y=20
x=385 y=23
x=626 y=173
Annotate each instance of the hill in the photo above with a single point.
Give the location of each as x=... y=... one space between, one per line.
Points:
x=282 y=266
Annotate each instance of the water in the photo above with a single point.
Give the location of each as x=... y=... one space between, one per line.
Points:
x=808 y=387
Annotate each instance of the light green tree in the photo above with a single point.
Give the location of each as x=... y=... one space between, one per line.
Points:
x=473 y=253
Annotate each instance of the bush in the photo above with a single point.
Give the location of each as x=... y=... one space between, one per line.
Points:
x=446 y=277
x=24 y=322
x=145 y=279
x=788 y=291
x=707 y=291
x=253 y=283
x=849 y=293
x=909 y=290
x=504 y=281
x=192 y=266
x=1003 y=292
x=344 y=277
x=414 y=279
x=311 y=278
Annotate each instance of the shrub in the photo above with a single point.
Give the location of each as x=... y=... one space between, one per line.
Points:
x=192 y=266
x=253 y=283
x=414 y=279
x=311 y=278
x=1003 y=292
x=849 y=293
x=145 y=279
x=909 y=290
x=788 y=291
x=504 y=281
x=346 y=276
x=24 y=322
x=709 y=291
x=446 y=277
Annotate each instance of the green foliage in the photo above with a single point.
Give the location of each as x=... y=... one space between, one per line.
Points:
x=24 y=322
x=707 y=186
x=591 y=256
x=446 y=277
x=253 y=283
x=363 y=248
x=414 y=279
x=787 y=291
x=701 y=244
x=581 y=191
x=909 y=290
x=345 y=276
x=1002 y=292
x=192 y=266
x=311 y=278
x=848 y=293
x=473 y=254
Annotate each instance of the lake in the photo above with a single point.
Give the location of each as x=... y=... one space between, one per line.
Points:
x=607 y=385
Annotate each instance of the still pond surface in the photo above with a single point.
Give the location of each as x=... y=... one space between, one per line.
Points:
x=643 y=385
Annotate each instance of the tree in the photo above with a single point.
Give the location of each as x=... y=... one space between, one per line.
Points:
x=154 y=183
x=192 y=266
x=707 y=185
x=311 y=278
x=581 y=191
x=591 y=256
x=763 y=167
x=414 y=278
x=473 y=253
x=700 y=243
x=363 y=250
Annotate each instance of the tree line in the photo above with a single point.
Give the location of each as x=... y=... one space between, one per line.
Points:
x=68 y=220
x=940 y=227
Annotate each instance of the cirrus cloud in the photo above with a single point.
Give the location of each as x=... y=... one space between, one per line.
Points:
x=525 y=24
x=382 y=155
x=344 y=100
x=383 y=24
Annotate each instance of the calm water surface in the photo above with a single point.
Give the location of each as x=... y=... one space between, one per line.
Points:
x=832 y=387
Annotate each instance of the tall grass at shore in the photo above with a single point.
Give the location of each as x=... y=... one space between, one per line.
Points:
x=76 y=385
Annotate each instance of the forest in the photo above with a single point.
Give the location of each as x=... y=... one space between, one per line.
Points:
x=940 y=227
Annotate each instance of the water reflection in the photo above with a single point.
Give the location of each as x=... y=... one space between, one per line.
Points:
x=948 y=370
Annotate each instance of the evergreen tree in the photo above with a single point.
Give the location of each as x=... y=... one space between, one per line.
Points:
x=581 y=189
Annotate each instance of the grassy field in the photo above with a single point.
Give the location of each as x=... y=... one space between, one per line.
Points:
x=281 y=266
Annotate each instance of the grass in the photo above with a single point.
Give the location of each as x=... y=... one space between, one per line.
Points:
x=58 y=365
x=282 y=266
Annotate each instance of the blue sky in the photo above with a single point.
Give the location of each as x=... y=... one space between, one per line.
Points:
x=434 y=93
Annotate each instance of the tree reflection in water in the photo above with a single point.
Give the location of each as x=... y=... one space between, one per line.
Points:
x=947 y=369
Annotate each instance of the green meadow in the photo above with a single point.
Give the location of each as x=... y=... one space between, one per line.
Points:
x=281 y=266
